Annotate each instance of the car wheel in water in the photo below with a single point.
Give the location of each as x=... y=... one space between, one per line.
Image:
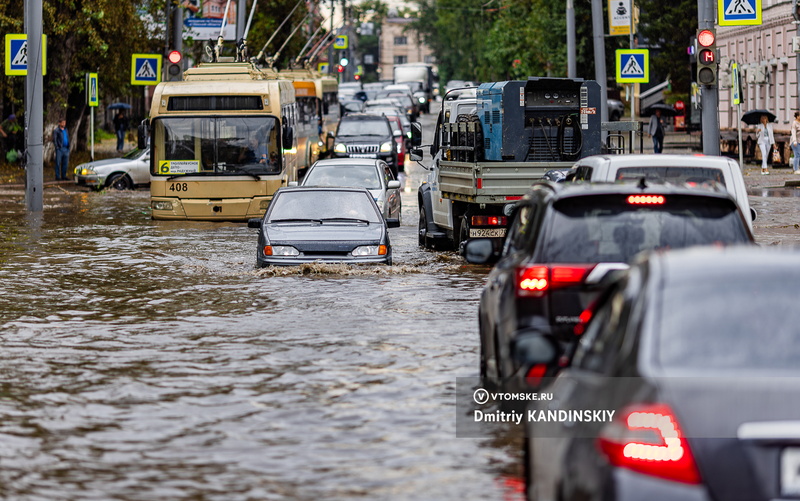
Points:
x=423 y=226
x=120 y=182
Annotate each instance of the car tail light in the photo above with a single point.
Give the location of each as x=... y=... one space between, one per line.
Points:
x=535 y=374
x=583 y=319
x=647 y=439
x=535 y=280
x=647 y=199
x=489 y=220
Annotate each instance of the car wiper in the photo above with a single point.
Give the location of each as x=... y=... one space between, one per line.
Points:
x=242 y=171
x=295 y=220
x=345 y=219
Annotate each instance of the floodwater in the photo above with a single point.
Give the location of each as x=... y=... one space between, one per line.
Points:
x=151 y=360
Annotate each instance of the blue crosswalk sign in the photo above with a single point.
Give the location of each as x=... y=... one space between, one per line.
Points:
x=633 y=66
x=739 y=12
x=145 y=69
x=17 y=54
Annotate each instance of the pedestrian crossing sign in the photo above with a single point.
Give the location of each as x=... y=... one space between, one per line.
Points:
x=17 y=54
x=145 y=69
x=340 y=42
x=91 y=89
x=738 y=12
x=633 y=65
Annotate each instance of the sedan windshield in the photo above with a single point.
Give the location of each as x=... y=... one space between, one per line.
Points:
x=607 y=228
x=363 y=128
x=323 y=205
x=216 y=145
x=359 y=176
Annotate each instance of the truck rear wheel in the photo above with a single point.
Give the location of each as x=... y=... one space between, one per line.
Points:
x=423 y=227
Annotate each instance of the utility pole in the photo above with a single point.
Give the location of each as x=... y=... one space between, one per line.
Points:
x=34 y=147
x=572 y=67
x=600 y=59
x=706 y=17
x=330 y=48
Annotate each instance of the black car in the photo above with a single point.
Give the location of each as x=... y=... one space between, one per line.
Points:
x=341 y=225
x=360 y=135
x=697 y=354
x=565 y=238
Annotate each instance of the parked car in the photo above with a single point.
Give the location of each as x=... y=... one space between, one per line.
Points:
x=564 y=238
x=690 y=353
x=616 y=109
x=122 y=173
x=334 y=225
x=361 y=135
x=374 y=175
x=690 y=170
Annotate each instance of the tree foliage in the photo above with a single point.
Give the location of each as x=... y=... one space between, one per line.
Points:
x=670 y=27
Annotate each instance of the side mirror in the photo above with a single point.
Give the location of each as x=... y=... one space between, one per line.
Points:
x=392 y=222
x=254 y=222
x=753 y=214
x=394 y=184
x=288 y=137
x=142 y=134
x=292 y=183
x=415 y=154
x=416 y=134
x=479 y=251
x=331 y=135
x=397 y=133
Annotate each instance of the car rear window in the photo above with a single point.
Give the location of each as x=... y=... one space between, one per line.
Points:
x=673 y=175
x=608 y=228
x=696 y=329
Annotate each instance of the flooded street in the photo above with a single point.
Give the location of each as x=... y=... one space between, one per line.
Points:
x=149 y=359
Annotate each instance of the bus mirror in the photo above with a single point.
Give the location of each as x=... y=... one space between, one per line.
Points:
x=416 y=134
x=288 y=138
x=142 y=134
x=416 y=154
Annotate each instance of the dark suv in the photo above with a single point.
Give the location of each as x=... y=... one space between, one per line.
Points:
x=564 y=239
x=360 y=135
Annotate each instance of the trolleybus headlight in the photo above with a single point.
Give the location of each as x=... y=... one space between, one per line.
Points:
x=161 y=205
x=280 y=250
x=340 y=148
x=370 y=250
x=421 y=100
x=386 y=147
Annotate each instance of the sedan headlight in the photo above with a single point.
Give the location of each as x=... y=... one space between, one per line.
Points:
x=370 y=250
x=421 y=100
x=161 y=205
x=340 y=148
x=280 y=250
x=386 y=147
x=85 y=171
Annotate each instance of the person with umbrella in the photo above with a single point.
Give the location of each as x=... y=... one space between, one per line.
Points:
x=120 y=127
x=765 y=139
x=656 y=131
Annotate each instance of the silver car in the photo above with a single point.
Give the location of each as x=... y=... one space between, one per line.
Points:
x=123 y=173
x=372 y=174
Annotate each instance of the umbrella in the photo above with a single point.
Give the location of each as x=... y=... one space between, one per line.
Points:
x=666 y=110
x=753 y=117
x=119 y=106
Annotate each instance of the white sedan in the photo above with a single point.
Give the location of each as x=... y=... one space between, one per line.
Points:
x=123 y=173
x=372 y=174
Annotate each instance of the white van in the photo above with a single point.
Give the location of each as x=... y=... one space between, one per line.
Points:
x=674 y=169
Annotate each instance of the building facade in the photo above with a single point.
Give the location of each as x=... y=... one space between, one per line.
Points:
x=399 y=45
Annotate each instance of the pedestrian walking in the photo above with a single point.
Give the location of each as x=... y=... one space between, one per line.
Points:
x=795 y=144
x=656 y=131
x=120 y=127
x=765 y=139
x=61 y=142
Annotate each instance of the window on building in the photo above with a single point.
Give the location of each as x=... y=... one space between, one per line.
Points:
x=400 y=59
x=401 y=40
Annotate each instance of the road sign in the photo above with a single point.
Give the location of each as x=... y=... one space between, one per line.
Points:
x=145 y=69
x=91 y=89
x=340 y=42
x=738 y=12
x=633 y=65
x=322 y=67
x=735 y=90
x=17 y=54
x=619 y=17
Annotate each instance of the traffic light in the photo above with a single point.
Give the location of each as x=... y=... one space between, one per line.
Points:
x=340 y=68
x=706 y=57
x=174 y=66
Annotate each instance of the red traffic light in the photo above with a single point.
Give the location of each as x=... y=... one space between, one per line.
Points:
x=706 y=38
x=707 y=56
x=340 y=68
x=357 y=77
x=174 y=57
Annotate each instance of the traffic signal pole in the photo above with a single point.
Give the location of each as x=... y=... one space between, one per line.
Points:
x=706 y=17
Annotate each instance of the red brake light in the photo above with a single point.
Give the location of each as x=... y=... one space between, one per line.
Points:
x=535 y=374
x=583 y=319
x=535 y=280
x=489 y=220
x=646 y=199
x=647 y=439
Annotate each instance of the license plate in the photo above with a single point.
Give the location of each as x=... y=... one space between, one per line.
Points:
x=363 y=155
x=790 y=471
x=487 y=232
